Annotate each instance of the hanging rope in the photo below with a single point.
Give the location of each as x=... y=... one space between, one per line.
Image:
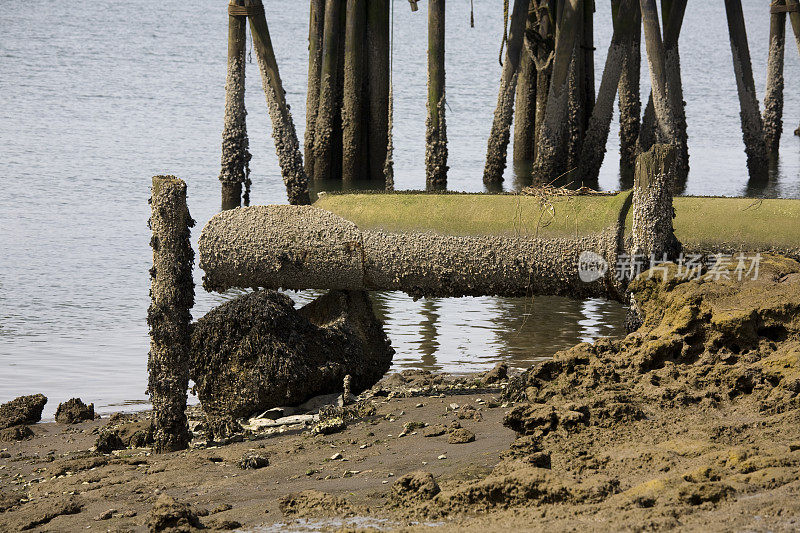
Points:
x=505 y=31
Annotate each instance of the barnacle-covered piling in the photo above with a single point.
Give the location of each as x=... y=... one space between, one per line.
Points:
x=235 y=144
x=172 y=297
x=436 y=124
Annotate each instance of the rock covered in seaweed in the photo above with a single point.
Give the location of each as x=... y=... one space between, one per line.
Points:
x=22 y=410
x=74 y=411
x=258 y=352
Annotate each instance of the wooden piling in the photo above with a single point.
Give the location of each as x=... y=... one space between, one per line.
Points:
x=652 y=232
x=752 y=125
x=353 y=138
x=672 y=14
x=283 y=133
x=587 y=65
x=630 y=103
x=499 y=136
x=773 y=96
x=666 y=131
x=794 y=17
x=525 y=99
x=316 y=25
x=625 y=19
x=435 y=124
x=235 y=143
x=551 y=144
x=169 y=317
x=545 y=16
x=378 y=33
x=324 y=134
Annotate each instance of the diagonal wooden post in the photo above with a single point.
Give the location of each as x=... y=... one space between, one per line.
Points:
x=283 y=133
x=169 y=317
x=500 y=134
x=667 y=127
x=551 y=146
x=235 y=144
x=625 y=18
x=672 y=14
x=525 y=99
x=752 y=125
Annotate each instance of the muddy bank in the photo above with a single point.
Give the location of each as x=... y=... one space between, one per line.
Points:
x=691 y=422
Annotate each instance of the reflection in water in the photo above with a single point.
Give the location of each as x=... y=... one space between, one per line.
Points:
x=463 y=335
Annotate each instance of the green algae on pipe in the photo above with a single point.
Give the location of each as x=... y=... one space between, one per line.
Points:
x=706 y=224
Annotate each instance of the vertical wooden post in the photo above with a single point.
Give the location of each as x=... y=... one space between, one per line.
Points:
x=587 y=67
x=353 y=147
x=652 y=231
x=773 y=96
x=499 y=136
x=378 y=85
x=169 y=317
x=630 y=103
x=436 y=125
x=283 y=133
x=551 y=144
x=794 y=17
x=625 y=21
x=525 y=99
x=323 y=135
x=316 y=25
x=752 y=126
x=235 y=144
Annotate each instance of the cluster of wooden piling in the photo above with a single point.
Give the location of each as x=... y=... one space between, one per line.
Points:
x=347 y=107
x=235 y=144
x=563 y=136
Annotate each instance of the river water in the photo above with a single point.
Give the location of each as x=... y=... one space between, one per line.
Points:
x=97 y=98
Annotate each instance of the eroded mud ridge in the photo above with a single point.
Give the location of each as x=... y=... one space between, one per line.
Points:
x=692 y=420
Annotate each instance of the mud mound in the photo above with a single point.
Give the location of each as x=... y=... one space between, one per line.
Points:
x=414 y=488
x=697 y=410
x=257 y=352
x=22 y=410
x=74 y=411
x=314 y=503
x=171 y=516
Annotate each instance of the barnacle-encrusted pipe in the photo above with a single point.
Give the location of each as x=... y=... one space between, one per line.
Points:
x=172 y=297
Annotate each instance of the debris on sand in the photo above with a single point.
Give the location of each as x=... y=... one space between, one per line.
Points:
x=74 y=411
x=253 y=461
x=171 y=516
x=257 y=352
x=22 y=411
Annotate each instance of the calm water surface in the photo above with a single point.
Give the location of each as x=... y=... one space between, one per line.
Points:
x=106 y=98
